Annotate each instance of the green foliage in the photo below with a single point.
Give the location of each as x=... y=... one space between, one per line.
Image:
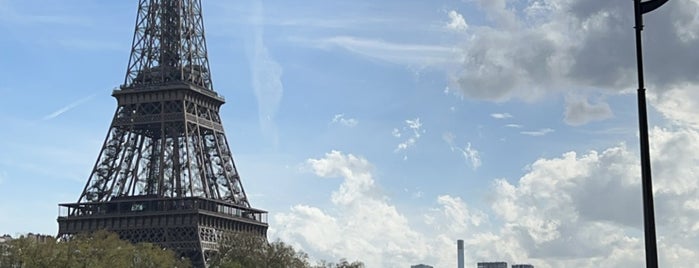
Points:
x=342 y=264
x=105 y=250
x=251 y=251
x=99 y=250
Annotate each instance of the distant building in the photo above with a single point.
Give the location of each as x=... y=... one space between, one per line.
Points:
x=492 y=265
x=39 y=238
x=460 y=253
x=421 y=266
x=522 y=266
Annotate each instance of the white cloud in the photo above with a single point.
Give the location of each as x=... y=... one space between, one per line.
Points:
x=679 y=104
x=585 y=210
x=455 y=210
x=68 y=107
x=501 y=115
x=413 y=128
x=536 y=48
x=536 y=133
x=11 y=15
x=470 y=154
x=579 y=111
x=348 y=122
x=266 y=77
x=396 y=133
x=456 y=21
x=414 y=125
x=363 y=226
x=575 y=210
x=514 y=126
x=397 y=53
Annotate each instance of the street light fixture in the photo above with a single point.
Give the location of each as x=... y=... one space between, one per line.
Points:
x=641 y=8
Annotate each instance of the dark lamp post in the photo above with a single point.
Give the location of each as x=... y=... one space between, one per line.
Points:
x=641 y=8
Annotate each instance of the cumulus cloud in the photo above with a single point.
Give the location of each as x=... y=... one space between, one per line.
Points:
x=585 y=210
x=579 y=111
x=574 y=210
x=342 y=120
x=456 y=21
x=363 y=224
x=531 y=49
x=679 y=104
x=367 y=228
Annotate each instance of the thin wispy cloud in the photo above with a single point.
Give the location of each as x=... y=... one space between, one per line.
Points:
x=342 y=120
x=536 y=133
x=470 y=154
x=514 y=126
x=413 y=130
x=68 y=107
x=266 y=77
x=501 y=115
x=10 y=14
x=396 y=133
x=332 y=23
x=87 y=44
x=394 y=52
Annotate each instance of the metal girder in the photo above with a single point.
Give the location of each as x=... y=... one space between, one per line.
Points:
x=165 y=173
x=168 y=45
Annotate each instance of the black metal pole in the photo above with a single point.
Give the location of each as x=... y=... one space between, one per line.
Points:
x=646 y=182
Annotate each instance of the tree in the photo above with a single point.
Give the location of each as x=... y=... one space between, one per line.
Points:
x=248 y=250
x=100 y=250
x=343 y=263
x=253 y=251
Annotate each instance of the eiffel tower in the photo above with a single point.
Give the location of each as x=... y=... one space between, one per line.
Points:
x=165 y=173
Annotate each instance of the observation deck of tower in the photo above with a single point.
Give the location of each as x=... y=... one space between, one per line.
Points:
x=165 y=173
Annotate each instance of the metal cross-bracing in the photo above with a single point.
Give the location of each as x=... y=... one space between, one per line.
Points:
x=165 y=173
x=168 y=143
x=192 y=227
x=168 y=45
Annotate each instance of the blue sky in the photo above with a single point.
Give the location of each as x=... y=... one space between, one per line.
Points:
x=384 y=131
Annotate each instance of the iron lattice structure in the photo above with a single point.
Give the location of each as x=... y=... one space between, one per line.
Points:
x=165 y=173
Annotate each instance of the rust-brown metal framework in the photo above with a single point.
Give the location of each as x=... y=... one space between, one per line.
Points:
x=165 y=173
